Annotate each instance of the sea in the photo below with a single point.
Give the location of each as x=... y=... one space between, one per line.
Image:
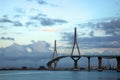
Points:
x=59 y=75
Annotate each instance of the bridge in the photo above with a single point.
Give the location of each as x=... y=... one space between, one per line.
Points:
x=75 y=58
x=49 y=64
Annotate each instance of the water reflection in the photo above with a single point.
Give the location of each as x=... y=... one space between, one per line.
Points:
x=59 y=75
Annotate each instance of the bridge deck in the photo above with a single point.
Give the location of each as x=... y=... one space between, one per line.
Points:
x=103 y=56
x=114 y=56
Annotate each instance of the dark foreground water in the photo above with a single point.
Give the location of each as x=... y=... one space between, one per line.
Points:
x=59 y=75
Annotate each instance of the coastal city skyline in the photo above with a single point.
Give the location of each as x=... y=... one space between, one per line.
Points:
x=28 y=29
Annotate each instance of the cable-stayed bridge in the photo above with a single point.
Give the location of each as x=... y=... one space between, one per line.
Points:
x=75 y=57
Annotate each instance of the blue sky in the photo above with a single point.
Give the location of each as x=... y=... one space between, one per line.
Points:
x=28 y=28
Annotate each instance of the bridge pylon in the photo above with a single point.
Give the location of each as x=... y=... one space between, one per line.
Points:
x=75 y=57
x=118 y=63
x=55 y=55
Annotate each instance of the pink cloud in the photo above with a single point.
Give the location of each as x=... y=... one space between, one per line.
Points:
x=49 y=29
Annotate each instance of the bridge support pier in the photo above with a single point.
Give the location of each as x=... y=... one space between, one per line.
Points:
x=54 y=65
x=49 y=67
x=88 y=63
x=99 y=63
x=75 y=59
x=118 y=63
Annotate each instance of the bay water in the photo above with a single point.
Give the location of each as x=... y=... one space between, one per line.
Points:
x=59 y=75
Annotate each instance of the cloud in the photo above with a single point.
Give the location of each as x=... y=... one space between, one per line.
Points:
x=5 y=20
x=15 y=23
x=31 y=23
x=111 y=52
x=40 y=46
x=38 y=16
x=18 y=16
x=35 y=21
x=91 y=33
x=36 y=53
x=7 y=38
x=100 y=42
x=93 y=41
x=20 y=10
x=60 y=21
x=37 y=48
x=50 y=22
x=42 y=2
x=45 y=21
x=111 y=26
x=66 y=36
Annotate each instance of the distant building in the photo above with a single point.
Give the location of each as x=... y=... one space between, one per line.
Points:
x=42 y=68
x=24 y=68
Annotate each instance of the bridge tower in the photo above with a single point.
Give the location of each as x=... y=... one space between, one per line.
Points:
x=54 y=56
x=118 y=63
x=75 y=57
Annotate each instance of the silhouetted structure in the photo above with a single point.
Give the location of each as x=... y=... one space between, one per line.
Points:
x=24 y=68
x=118 y=63
x=88 y=63
x=42 y=68
x=75 y=58
x=99 y=63
x=54 y=56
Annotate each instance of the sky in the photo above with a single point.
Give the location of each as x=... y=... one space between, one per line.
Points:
x=28 y=29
